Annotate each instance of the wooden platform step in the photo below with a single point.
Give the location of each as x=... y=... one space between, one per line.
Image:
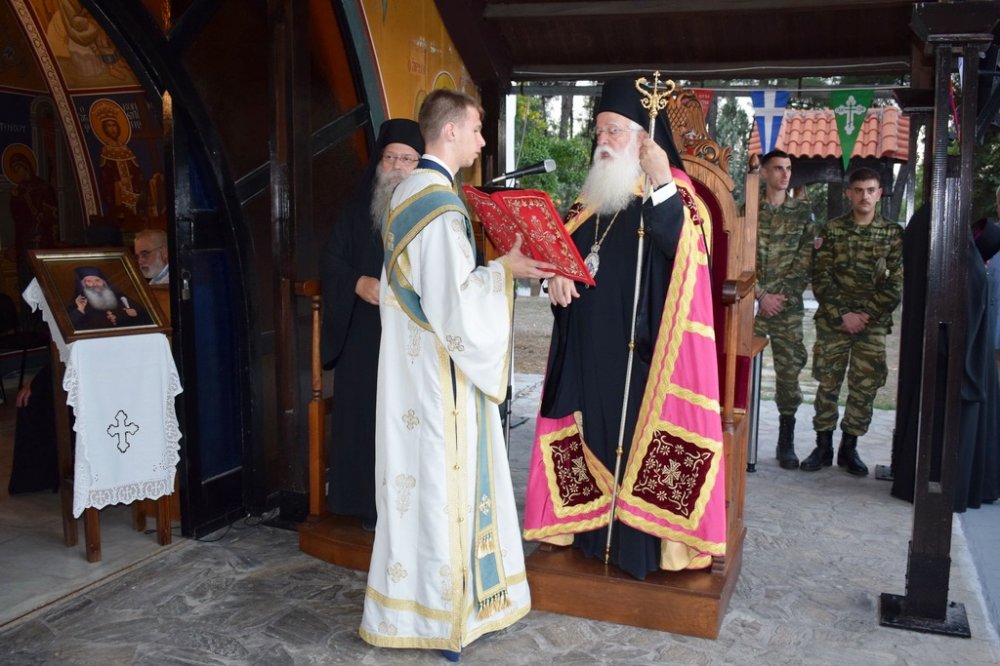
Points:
x=338 y=540
x=686 y=602
x=563 y=581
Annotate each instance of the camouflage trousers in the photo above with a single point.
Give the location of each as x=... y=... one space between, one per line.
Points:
x=863 y=357
x=789 y=354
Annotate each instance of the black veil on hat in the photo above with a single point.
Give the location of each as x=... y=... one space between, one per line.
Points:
x=619 y=95
x=395 y=130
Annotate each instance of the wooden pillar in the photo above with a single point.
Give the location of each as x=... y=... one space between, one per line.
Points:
x=951 y=30
x=290 y=197
x=493 y=112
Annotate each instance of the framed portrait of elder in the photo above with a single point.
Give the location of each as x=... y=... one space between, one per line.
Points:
x=96 y=292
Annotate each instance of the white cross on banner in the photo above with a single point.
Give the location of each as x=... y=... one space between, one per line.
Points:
x=769 y=111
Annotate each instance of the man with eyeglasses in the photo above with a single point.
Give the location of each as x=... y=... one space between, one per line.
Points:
x=857 y=279
x=150 y=249
x=669 y=428
x=350 y=270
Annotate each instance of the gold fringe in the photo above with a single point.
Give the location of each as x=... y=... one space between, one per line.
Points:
x=485 y=546
x=493 y=605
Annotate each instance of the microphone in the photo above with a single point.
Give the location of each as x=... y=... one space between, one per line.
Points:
x=545 y=166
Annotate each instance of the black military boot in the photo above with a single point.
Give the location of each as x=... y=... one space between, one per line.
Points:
x=847 y=456
x=822 y=455
x=786 y=443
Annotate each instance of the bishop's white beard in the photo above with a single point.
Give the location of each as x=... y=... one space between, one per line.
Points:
x=611 y=182
x=385 y=183
x=101 y=298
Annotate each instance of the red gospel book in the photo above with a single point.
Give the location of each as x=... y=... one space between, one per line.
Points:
x=530 y=213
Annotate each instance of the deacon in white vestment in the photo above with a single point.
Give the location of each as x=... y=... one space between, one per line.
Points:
x=447 y=564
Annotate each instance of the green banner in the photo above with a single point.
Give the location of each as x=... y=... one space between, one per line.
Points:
x=849 y=109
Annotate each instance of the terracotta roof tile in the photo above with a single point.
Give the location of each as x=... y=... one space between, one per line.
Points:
x=885 y=133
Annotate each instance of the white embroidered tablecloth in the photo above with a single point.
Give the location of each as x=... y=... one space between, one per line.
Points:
x=122 y=391
x=33 y=296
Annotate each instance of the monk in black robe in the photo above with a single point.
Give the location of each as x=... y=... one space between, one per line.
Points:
x=350 y=269
x=977 y=477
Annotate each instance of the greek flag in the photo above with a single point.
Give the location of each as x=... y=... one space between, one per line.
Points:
x=769 y=110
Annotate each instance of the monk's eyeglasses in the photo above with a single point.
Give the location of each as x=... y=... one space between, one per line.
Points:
x=145 y=253
x=401 y=159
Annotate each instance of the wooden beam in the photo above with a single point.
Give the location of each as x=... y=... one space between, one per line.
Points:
x=483 y=52
x=547 y=10
x=747 y=69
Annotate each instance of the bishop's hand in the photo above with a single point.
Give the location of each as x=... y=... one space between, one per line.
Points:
x=562 y=290
x=655 y=163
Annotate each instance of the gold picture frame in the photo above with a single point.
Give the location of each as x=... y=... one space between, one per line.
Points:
x=97 y=292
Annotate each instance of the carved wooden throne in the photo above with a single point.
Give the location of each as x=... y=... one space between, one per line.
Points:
x=688 y=602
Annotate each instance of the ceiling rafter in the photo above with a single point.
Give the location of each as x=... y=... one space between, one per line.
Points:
x=501 y=40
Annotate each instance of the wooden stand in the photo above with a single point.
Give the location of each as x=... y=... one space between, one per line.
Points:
x=91 y=517
x=686 y=602
x=338 y=540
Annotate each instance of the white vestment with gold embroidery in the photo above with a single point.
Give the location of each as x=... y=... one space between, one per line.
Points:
x=420 y=590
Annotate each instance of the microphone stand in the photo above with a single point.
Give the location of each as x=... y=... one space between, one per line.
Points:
x=508 y=402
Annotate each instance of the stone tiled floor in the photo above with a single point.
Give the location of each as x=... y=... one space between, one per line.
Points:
x=820 y=549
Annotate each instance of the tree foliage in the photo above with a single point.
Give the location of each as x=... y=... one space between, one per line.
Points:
x=537 y=140
x=986 y=176
x=732 y=128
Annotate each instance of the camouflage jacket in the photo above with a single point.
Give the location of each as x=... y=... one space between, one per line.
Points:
x=784 y=249
x=858 y=268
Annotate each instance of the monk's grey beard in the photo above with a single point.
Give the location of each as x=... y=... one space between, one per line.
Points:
x=385 y=183
x=611 y=182
x=101 y=298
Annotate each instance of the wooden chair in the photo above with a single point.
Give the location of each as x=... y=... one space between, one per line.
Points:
x=336 y=539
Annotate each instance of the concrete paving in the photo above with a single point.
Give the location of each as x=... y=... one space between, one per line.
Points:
x=821 y=547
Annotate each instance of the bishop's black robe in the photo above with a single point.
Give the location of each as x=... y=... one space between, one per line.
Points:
x=589 y=353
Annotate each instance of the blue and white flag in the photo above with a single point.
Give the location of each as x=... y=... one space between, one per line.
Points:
x=769 y=111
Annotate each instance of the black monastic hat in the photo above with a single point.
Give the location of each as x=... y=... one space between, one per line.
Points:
x=619 y=95
x=399 y=130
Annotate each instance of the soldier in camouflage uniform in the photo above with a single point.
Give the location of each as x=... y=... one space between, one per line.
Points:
x=858 y=280
x=784 y=255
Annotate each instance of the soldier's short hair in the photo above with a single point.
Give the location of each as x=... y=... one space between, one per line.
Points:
x=774 y=154
x=864 y=173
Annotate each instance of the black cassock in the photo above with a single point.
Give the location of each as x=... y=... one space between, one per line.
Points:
x=35 y=465
x=589 y=353
x=351 y=332
x=977 y=476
